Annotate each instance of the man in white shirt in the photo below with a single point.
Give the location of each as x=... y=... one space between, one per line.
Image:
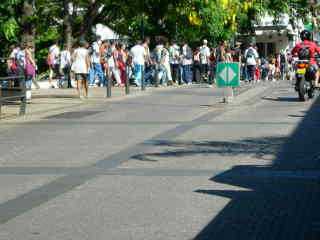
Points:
x=251 y=58
x=138 y=58
x=96 y=68
x=174 y=53
x=204 y=60
x=163 y=72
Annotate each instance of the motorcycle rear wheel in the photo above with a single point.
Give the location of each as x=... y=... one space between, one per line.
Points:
x=311 y=93
x=302 y=90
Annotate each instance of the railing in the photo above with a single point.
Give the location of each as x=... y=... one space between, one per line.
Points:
x=13 y=88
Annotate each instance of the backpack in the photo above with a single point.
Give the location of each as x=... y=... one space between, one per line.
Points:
x=203 y=56
x=282 y=59
x=189 y=53
x=304 y=53
x=250 y=53
x=263 y=61
x=49 y=59
x=14 y=66
x=159 y=54
x=90 y=50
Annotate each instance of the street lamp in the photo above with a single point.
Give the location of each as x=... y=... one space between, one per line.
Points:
x=142 y=20
x=143 y=87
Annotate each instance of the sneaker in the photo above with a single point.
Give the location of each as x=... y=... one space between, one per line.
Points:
x=28 y=94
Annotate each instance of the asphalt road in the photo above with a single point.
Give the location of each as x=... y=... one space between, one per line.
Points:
x=175 y=164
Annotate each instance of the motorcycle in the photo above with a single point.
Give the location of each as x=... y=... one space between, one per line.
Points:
x=305 y=79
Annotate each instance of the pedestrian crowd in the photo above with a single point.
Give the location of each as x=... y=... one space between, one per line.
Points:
x=93 y=65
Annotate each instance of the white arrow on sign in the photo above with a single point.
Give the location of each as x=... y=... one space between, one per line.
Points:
x=227 y=74
x=231 y=74
x=224 y=74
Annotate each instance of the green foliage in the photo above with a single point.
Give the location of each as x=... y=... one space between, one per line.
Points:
x=10 y=29
x=190 y=20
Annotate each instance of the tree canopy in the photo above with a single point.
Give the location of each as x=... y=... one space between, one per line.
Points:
x=65 y=20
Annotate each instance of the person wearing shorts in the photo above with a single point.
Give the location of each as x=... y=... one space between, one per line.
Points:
x=81 y=66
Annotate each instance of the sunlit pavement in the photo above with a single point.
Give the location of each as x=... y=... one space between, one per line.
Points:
x=175 y=164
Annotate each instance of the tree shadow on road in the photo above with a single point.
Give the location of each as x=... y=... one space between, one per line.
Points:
x=259 y=148
x=281 y=201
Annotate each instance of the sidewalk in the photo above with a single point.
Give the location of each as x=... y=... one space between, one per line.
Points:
x=54 y=100
x=48 y=101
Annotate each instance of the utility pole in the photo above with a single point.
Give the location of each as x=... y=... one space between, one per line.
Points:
x=29 y=28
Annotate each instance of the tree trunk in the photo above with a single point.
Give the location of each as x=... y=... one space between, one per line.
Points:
x=67 y=24
x=28 y=26
x=89 y=18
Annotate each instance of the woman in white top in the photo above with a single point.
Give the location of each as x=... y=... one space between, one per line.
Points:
x=81 y=66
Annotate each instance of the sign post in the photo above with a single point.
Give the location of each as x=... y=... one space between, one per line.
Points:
x=228 y=77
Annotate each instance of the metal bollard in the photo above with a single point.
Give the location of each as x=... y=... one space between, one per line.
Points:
x=143 y=87
x=23 y=99
x=127 y=84
x=109 y=83
x=156 y=77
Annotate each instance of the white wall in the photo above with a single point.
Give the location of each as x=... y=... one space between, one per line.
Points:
x=281 y=42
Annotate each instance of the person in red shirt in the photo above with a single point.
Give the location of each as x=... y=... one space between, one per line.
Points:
x=306 y=42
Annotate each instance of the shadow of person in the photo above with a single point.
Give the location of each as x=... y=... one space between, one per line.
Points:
x=280 y=201
x=282 y=99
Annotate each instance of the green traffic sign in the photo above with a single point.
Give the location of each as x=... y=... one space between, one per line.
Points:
x=228 y=74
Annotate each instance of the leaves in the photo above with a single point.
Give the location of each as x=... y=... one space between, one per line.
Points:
x=191 y=20
x=10 y=29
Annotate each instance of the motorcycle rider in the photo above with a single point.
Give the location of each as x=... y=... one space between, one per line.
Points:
x=312 y=49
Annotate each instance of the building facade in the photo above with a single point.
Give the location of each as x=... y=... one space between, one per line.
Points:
x=274 y=37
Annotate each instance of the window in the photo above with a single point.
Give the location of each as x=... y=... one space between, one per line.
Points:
x=271 y=49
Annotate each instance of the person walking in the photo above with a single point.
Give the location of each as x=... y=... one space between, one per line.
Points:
x=251 y=59
x=138 y=59
x=229 y=57
x=149 y=67
x=81 y=66
x=204 y=60
x=236 y=53
x=283 y=65
x=30 y=70
x=12 y=67
x=21 y=59
x=53 y=62
x=113 y=64
x=174 y=56
x=163 y=62
x=221 y=52
x=197 y=67
x=65 y=67
x=187 y=63
x=12 y=63
x=212 y=66
x=161 y=74
x=146 y=44
x=104 y=51
x=121 y=59
x=96 y=68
